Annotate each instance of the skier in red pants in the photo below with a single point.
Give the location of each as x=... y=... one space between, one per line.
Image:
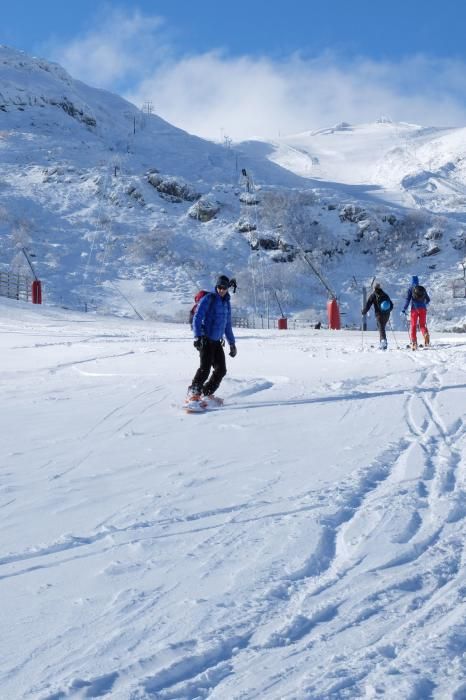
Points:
x=418 y=297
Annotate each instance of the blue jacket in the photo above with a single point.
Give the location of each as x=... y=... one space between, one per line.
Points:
x=213 y=318
x=415 y=304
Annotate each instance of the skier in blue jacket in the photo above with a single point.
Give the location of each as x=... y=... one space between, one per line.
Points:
x=211 y=322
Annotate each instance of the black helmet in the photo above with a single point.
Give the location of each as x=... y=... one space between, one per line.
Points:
x=223 y=281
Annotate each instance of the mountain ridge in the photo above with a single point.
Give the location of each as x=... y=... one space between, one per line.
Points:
x=95 y=189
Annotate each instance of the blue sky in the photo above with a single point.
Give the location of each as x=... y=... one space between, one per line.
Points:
x=259 y=68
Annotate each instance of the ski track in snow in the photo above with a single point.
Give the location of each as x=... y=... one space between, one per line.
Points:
x=367 y=561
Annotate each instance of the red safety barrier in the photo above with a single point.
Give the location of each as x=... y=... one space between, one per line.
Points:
x=333 y=314
x=282 y=324
x=36 y=292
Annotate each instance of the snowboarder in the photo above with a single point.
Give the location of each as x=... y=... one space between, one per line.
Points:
x=382 y=308
x=418 y=297
x=211 y=322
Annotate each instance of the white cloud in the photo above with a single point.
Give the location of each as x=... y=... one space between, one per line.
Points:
x=116 y=52
x=246 y=97
x=212 y=94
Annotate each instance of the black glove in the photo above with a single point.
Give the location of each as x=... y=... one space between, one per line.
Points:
x=233 y=351
x=198 y=343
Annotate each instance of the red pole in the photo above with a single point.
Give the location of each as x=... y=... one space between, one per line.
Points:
x=333 y=314
x=36 y=292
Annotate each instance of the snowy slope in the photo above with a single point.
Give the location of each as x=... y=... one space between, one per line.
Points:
x=105 y=198
x=42 y=104
x=305 y=541
x=74 y=182
x=404 y=163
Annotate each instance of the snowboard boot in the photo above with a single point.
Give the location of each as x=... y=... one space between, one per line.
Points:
x=383 y=344
x=414 y=345
x=194 y=402
x=427 y=339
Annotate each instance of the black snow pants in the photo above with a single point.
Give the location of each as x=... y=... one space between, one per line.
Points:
x=212 y=357
x=382 y=320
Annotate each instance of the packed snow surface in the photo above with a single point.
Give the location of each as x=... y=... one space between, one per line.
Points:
x=304 y=541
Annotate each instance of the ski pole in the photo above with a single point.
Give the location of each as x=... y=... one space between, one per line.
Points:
x=408 y=329
x=394 y=336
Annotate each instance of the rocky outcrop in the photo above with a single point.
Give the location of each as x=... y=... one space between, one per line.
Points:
x=352 y=213
x=173 y=189
x=244 y=226
x=23 y=101
x=204 y=209
x=248 y=198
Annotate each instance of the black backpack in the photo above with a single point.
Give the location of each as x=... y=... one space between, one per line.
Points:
x=419 y=292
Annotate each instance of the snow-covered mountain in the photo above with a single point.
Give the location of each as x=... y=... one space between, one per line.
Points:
x=404 y=163
x=125 y=213
x=303 y=542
